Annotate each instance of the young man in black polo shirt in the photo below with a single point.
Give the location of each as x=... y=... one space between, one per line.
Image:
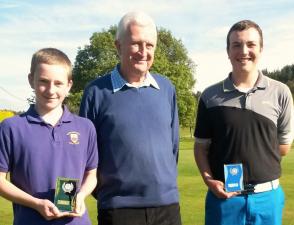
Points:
x=245 y=119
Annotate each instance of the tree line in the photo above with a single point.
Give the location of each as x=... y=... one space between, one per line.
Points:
x=99 y=57
x=285 y=75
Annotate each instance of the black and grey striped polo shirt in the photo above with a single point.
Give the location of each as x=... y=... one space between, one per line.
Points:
x=246 y=128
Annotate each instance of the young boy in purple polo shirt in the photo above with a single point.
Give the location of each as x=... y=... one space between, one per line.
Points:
x=44 y=143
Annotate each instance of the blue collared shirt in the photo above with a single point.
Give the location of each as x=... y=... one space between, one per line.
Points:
x=118 y=82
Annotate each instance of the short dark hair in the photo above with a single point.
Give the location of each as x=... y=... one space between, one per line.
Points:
x=50 y=56
x=244 y=25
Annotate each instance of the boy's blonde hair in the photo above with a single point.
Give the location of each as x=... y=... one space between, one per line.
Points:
x=50 y=56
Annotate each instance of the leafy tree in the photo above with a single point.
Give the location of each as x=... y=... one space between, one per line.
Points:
x=171 y=60
x=31 y=99
x=95 y=59
x=73 y=101
x=285 y=75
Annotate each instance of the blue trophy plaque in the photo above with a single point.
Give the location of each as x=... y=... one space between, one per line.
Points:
x=233 y=177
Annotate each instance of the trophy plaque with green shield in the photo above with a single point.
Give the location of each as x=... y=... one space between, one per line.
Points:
x=65 y=193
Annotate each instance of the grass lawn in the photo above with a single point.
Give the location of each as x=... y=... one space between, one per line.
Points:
x=192 y=189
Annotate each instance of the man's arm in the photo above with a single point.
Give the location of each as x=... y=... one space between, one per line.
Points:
x=88 y=185
x=88 y=105
x=285 y=123
x=284 y=149
x=175 y=127
x=12 y=193
x=216 y=186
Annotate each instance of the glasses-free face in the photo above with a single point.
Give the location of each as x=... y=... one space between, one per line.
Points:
x=51 y=85
x=136 y=50
x=244 y=51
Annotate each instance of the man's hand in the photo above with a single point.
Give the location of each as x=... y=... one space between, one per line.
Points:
x=217 y=188
x=80 y=206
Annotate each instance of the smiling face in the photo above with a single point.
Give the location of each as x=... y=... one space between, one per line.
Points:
x=244 y=50
x=136 y=50
x=51 y=85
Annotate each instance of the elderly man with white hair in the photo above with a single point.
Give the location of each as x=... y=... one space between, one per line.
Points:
x=136 y=119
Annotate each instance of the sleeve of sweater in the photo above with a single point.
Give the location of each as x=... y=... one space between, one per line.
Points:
x=175 y=126
x=88 y=104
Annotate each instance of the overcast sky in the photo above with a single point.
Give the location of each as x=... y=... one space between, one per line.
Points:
x=202 y=25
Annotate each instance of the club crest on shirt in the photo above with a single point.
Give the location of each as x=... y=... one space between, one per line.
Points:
x=74 y=137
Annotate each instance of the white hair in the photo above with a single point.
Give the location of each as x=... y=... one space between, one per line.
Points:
x=136 y=17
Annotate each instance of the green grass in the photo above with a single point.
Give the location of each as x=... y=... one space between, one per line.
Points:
x=287 y=181
x=192 y=189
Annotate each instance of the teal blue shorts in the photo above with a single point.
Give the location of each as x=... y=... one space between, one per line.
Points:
x=264 y=208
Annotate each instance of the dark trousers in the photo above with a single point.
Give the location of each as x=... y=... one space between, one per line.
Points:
x=164 y=215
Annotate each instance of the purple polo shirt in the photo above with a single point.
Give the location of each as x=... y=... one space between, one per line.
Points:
x=35 y=154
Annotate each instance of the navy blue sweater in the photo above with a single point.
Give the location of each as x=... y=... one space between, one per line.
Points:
x=137 y=133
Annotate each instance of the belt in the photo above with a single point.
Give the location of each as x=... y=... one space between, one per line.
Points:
x=257 y=188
